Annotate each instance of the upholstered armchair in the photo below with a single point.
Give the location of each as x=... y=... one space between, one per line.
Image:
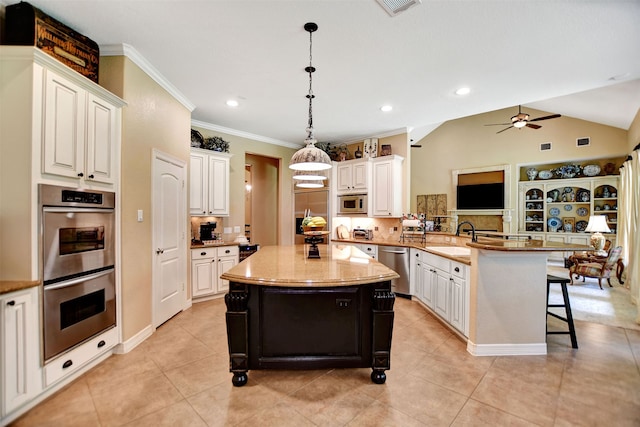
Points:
x=600 y=269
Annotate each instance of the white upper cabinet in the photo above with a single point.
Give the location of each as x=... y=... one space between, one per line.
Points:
x=209 y=183
x=81 y=131
x=352 y=176
x=386 y=187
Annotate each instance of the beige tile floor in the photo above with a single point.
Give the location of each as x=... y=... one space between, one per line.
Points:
x=179 y=377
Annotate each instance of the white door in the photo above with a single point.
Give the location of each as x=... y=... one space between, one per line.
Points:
x=169 y=245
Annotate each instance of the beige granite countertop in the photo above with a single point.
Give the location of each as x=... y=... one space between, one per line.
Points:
x=213 y=245
x=339 y=265
x=7 y=286
x=527 y=246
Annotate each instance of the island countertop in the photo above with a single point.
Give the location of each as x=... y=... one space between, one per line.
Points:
x=527 y=246
x=338 y=265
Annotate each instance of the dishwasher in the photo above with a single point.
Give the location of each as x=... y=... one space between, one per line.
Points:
x=397 y=259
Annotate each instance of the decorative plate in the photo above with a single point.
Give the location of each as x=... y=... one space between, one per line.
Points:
x=591 y=170
x=582 y=212
x=554 y=211
x=582 y=196
x=581 y=226
x=545 y=174
x=554 y=222
x=568 y=208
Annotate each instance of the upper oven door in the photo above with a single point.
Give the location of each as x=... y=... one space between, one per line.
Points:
x=76 y=241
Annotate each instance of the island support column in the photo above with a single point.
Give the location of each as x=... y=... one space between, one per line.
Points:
x=238 y=332
x=383 y=301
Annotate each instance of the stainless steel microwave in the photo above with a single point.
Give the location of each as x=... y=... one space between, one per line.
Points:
x=352 y=204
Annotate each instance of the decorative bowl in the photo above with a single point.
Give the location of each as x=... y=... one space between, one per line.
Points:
x=545 y=174
x=307 y=229
x=567 y=171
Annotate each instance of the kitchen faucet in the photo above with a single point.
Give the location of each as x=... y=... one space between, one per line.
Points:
x=473 y=230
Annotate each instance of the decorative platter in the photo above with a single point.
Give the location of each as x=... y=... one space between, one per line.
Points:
x=568 y=208
x=554 y=222
x=554 y=211
x=581 y=226
x=545 y=174
x=591 y=170
x=582 y=195
x=582 y=212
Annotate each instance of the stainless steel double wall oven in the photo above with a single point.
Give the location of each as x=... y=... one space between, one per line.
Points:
x=78 y=249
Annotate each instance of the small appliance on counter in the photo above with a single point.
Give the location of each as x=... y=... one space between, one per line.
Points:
x=207 y=231
x=361 y=233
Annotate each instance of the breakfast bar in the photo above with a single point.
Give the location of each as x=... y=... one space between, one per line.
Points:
x=288 y=311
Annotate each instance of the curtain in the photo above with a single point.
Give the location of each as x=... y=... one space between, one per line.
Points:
x=629 y=224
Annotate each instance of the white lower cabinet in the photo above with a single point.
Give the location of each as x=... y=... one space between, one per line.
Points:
x=207 y=264
x=21 y=378
x=443 y=286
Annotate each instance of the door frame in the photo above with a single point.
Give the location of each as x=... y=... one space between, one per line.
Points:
x=158 y=155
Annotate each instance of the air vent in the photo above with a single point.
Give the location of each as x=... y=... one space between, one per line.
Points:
x=545 y=146
x=394 y=7
x=582 y=142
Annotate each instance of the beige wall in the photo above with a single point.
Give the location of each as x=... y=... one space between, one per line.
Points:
x=634 y=133
x=239 y=146
x=153 y=119
x=467 y=143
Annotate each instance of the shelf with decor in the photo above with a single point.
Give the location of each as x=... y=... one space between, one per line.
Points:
x=559 y=209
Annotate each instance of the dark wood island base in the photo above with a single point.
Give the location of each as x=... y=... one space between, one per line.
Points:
x=273 y=327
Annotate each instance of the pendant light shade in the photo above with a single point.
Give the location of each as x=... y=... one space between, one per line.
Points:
x=309 y=176
x=310 y=157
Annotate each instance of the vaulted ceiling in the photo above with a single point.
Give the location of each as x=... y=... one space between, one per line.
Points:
x=575 y=58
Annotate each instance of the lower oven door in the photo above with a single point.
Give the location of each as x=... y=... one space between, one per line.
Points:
x=77 y=309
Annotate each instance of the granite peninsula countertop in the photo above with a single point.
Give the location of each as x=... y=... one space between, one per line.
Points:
x=527 y=246
x=338 y=265
x=7 y=286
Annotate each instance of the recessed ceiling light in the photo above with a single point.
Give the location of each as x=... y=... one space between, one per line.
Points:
x=232 y=103
x=463 y=91
x=386 y=108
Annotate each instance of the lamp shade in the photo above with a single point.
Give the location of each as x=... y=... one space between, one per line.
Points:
x=310 y=184
x=310 y=158
x=597 y=224
x=309 y=176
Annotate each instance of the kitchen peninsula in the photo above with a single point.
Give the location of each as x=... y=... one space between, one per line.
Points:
x=286 y=311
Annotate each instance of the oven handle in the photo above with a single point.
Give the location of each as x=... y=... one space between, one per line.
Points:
x=77 y=280
x=83 y=210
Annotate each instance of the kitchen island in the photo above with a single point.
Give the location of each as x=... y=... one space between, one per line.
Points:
x=286 y=311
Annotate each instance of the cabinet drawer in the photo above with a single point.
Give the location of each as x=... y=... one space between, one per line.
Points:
x=437 y=261
x=458 y=269
x=79 y=356
x=228 y=251
x=371 y=250
x=203 y=253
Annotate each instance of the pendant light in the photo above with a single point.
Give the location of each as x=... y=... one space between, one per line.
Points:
x=309 y=179
x=310 y=157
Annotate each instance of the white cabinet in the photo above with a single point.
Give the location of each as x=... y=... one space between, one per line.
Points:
x=80 y=131
x=371 y=250
x=21 y=378
x=386 y=186
x=352 y=176
x=207 y=264
x=209 y=183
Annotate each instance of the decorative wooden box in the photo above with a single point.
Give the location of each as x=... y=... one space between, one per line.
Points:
x=29 y=26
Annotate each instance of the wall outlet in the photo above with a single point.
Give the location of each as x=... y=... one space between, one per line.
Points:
x=395 y=228
x=227 y=230
x=236 y=228
x=390 y=230
x=140 y=215
x=375 y=228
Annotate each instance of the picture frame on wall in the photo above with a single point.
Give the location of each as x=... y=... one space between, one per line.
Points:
x=569 y=224
x=385 y=150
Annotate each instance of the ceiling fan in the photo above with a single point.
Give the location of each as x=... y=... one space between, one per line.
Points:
x=521 y=120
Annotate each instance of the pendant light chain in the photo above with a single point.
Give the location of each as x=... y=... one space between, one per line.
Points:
x=310 y=69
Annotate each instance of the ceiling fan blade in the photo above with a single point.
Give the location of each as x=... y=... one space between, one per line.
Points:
x=498 y=124
x=532 y=126
x=553 y=116
x=504 y=129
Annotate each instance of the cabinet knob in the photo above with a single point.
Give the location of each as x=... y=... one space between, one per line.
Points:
x=91 y=176
x=101 y=343
x=12 y=302
x=227 y=251
x=203 y=253
x=67 y=364
x=457 y=269
x=80 y=175
x=159 y=251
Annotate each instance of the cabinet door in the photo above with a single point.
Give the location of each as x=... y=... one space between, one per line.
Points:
x=344 y=177
x=359 y=176
x=457 y=313
x=442 y=295
x=224 y=264
x=386 y=191
x=198 y=184
x=429 y=278
x=101 y=140
x=218 y=186
x=203 y=277
x=64 y=127
x=21 y=373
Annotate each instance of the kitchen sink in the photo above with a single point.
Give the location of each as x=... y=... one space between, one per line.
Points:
x=451 y=250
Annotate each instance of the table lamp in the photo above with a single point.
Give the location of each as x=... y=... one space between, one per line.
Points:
x=598 y=225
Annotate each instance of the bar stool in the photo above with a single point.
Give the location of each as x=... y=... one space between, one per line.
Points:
x=567 y=307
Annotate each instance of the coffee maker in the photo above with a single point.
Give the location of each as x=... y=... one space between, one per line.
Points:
x=207 y=231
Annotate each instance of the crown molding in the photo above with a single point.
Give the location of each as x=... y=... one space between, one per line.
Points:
x=243 y=134
x=135 y=56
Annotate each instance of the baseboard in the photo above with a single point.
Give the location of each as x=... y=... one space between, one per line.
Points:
x=507 y=349
x=134 y=341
